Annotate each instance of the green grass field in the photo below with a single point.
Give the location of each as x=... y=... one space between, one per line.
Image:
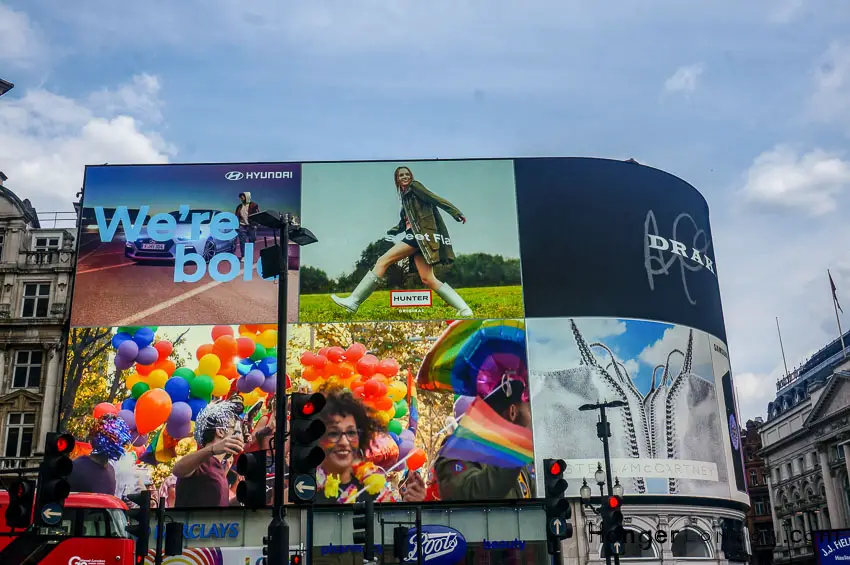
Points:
x=487 y=302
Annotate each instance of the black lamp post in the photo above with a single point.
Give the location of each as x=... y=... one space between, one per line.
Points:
x=275 y=261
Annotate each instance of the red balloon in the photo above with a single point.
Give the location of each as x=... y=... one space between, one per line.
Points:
x=104 y=408
x=144 y=370
x=205 y=349
x=245 y=347
x=229 y=371
x=416 y=459
x=219 y=331
x=320 y=361
x=388 y=367
x=166 y=365
x=164 y=348
x=355 y=352
x=383 y=403
x=307 y=358
x=226 y=347
x=335 y=354
x=359 y=392
x=367 y=365
x=373 y=388
x=323 y=351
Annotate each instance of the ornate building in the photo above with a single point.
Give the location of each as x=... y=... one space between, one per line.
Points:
x=806 y=450
x=36 y=266
x=759 y=520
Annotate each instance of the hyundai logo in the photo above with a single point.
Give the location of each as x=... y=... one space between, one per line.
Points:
x=234 y=175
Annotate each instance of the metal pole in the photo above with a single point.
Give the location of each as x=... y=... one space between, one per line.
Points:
x=419 y=535
x=308 y=546
x=160 y=518
x=279 y=525
x=781 y=347
x=383 y=542
x=607 y=455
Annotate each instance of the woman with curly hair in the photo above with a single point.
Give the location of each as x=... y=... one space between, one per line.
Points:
x=350 y=429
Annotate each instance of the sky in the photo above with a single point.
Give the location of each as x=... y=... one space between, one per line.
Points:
x=350 y=205
x=747 y=101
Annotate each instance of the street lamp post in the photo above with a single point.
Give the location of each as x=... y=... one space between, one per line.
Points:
x=275 y=261
x=603 y=432
x=586 y=493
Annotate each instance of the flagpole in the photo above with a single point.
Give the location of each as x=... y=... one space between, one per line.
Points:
x=835 y=307
x=781 y=347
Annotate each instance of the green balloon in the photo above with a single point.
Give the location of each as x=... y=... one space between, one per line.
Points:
x=139 y=389
x=271 y=352
x=400 y=408
x=186 y=373
x=202 y=387
x=395 y=427
x=259 y=353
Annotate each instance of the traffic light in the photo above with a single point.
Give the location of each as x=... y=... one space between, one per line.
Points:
x=558 y=510
x=613 y=532
x=295 y=559
x=304 y=452
x=19 y=512
x=251 y=491
x=400 y=542
x=53 y=485
x=364 y=527
x=142 y=528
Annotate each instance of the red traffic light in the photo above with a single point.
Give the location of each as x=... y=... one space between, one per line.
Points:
x=295 y=560
x=613 y=502
x=60 y=444
x=555 y=467
x=307 y=405
x=307 y=410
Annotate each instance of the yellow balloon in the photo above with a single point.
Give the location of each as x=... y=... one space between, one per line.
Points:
x=250 y=398
x=397 y=390
x=157 y=378
x=133 y=379
x=209 y=364
x=221 y=385
x=268 y=338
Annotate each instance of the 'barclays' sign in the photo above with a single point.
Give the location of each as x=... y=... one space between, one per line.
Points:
x=219 y=530
x=441 y=545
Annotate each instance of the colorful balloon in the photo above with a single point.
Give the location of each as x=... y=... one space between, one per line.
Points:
x=147 y=356
x=177 y=388
x=226 y=347
x=157 y=378
x=104 y=408
x=221 y=386
x=396 y=391
x=416 y=459
x=202 y=387
x=120 y=338
x=367 y=365
x=388 y=367
x=164 y=348
x=203 y=350
x=268 y=338
x=181 y=413
x=259 y=352
x=245 y=347
x=219 y=331
x=129 y=418
x=355 y=352
x=152 y=410
x=139 y=389
x=209 y=365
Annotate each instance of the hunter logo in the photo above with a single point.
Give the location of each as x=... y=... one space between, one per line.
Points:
x=687 y=246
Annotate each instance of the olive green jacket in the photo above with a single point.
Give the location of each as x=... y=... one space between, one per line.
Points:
x=420 y=206
x=465 y=480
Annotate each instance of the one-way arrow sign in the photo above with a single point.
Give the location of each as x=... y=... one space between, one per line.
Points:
x=51 y=514
x=305 y=487
x=617 y=548
x=560 y=528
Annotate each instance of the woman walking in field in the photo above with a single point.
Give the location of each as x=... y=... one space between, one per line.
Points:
x=426 y=240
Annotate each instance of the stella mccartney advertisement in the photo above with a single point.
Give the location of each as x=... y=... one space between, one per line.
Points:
x=456 y=314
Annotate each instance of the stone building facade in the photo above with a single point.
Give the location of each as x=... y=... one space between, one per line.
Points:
x=36 y=279
x=759 y=520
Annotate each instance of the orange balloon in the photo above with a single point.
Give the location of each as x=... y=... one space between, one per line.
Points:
x=383 y=404
x=253 y=328
x=104 y=408
x=219 y=331
x=145 y=370
x=309 y=374
x=345 y=370
x=263 y=327
x=229 y=371
x=166 y=365
x=226 y=347
x=205 y=349
x=416 y=459
x=245 y=347
x=152 y=410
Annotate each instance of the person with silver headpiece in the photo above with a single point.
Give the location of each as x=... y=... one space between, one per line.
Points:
x=202 y=475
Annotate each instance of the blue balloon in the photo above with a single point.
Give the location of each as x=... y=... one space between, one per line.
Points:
x=177 y=388
x=196 y=404
x=268 y=366
x=143 y=337
x=129 y=404
x=120 y=338
x=244 y=367
x=395 y=437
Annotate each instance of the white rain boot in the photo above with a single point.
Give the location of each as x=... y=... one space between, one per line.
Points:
x=454 y=300
x=366 y=287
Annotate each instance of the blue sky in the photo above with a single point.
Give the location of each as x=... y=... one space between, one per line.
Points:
x=747 y=101
x=350 y=205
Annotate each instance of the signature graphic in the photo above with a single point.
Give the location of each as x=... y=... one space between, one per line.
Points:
x=660 y=253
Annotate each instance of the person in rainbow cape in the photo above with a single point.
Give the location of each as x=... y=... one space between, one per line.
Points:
x=489 y=452
x=347 y=474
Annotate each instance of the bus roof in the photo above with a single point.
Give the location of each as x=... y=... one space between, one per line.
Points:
x=81 y=500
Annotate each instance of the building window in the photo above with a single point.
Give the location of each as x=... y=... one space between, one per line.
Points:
x=839 y=452
x=778 y=477
x=28 y=369
x=753 y=479
x=36 y=300
x=2 y=244
x=763 y=478
x=20 y=430
x=48 y=243
x=690 y=543
x=790 y=470
x=759 y=507
x=802 y=463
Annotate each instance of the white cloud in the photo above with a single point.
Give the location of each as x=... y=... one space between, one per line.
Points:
x=830 y=101
x=684 y=79
x=811 y=183
x=22 y=42
x=552 y=347
x=786 y=11
x=676 y=338
x=48 y=139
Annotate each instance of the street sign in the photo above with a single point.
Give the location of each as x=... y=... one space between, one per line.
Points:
x=616 y=548
x=558 y=527
x=305 y=487
x=51 y=514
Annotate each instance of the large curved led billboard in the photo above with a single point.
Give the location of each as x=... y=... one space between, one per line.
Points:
x=455 y=314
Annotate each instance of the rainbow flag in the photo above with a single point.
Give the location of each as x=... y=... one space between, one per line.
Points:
x=469 y=348
x=412 y=403
x=484 y=437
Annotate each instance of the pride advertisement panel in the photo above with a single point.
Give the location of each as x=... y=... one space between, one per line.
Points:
x=176 y=244
x=417 y=411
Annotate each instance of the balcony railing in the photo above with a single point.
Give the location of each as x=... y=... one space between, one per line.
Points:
x=13 y=463
x=44 y=257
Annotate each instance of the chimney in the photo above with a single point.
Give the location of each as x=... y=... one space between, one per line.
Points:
x=3 y=178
